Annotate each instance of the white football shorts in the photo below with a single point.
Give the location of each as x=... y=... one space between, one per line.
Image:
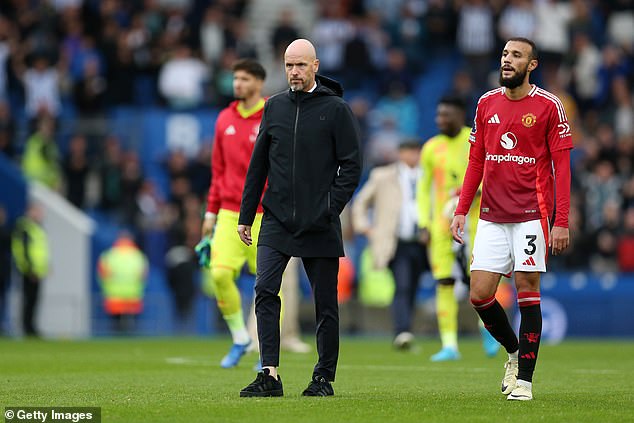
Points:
x=507 y=247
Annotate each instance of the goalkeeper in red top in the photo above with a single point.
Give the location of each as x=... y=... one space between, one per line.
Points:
x=236 y=129
x=520 y=149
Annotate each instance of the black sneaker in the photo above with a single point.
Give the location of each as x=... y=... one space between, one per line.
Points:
x=264 y=385
x=318 y=387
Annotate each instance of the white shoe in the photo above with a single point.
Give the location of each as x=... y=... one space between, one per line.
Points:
x=523 y=392
x=510 y=376
x=295 y=345
x=404 y=341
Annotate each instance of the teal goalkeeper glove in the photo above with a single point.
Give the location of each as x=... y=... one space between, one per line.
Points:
x=203 y=252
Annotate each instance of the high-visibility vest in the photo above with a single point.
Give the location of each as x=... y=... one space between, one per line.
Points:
x=122 y=271
x=29 y=246
x=40 y=161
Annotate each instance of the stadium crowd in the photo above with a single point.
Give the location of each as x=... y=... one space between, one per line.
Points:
x=68 y=63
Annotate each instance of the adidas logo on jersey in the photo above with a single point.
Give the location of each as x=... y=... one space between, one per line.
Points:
x=230 y=130
x=494 y=119
x=529 y=262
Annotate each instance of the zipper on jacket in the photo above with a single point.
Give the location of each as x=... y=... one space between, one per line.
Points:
x=293 y=158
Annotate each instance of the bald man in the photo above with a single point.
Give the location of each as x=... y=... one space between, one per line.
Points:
x=308 y=147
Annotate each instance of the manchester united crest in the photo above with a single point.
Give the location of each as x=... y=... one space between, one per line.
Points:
x=529 y=120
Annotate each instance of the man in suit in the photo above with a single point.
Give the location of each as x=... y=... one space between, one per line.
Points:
x=393 y=237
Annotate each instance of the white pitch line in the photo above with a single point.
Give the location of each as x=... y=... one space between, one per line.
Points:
x=390 y=368
x=187 y=361
x=597 y=371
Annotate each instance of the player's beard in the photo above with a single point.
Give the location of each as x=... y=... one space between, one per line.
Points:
x=515 y=80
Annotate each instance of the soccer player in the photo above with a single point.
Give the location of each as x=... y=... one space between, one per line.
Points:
x=443 y=161
x=520 y=150
x=235 y=133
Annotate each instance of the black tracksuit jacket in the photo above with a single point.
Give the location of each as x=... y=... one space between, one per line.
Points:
x=308 y=147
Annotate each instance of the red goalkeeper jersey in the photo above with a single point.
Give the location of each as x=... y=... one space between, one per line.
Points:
x=513 y=146
x=234 y=139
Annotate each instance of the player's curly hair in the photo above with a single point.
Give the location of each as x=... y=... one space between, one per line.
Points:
x=250 y=66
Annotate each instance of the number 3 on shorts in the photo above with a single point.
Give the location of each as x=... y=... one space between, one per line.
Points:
x=531 y=245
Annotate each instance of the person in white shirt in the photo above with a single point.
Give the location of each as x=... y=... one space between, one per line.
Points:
x=41 y=86
x=181 y=79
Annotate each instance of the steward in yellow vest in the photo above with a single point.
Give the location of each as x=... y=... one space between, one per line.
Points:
x=29 y=247
x=122 y=271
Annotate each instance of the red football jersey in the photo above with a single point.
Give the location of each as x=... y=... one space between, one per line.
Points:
x=515 y=140
x=234 y=138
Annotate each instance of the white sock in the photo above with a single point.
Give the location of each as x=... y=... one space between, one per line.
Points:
x=240 y=336
x=521 y=382
x=514 y=356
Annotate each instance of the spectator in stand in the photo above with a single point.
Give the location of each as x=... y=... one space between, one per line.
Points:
x=552 y=39
x=5 y=50
x=604 y=258
x=408 y=34
x=357 y=64
x=200 y=171
x=76 y=169
x=41 y=85
x=7 y=130
x=476 y=40
x=400 y=106
x=182 y=78
x=382 y=145
x=110 y=175
x=284 y=32
x=620 y=25
x=212 y=35
x=464 y=88
x=376 y=39
x=585 y=71
x=602 y=186
x=241 y=41
x=396 y=70
x=576 y=255
x=121 y=72
x=223 y=79
x=517 y=20
x=628 y=192
x=389 y=10
x=440 y=21
x=623 y=109
x=585 y=19
x=89 y=91
x=626 y=242
x=614 y=66
x=330 y=34
x=131 y=183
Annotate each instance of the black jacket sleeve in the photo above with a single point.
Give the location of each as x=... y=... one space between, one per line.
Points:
x=256 y=174
x=348 y=153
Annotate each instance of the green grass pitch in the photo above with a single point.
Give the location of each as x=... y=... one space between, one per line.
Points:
x=179 y=380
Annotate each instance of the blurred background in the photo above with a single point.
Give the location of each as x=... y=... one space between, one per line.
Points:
x=107 y=110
